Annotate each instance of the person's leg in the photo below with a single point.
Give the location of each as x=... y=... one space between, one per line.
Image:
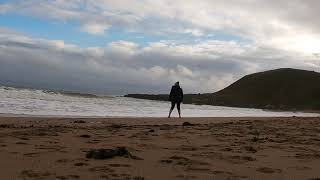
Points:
x=171 y=109
x=178 y=107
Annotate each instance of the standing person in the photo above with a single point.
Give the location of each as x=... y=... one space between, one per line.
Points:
x=176 y=97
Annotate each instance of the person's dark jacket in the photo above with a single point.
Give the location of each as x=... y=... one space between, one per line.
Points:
x=176 y=94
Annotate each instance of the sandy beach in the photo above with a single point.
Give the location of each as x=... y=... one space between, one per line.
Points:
x=160 y=148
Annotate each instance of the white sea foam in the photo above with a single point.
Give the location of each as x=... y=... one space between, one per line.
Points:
x=39 y=102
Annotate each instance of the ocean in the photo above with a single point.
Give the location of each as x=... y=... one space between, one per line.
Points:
x=19 y=101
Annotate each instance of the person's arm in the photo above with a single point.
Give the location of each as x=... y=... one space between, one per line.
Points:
x=170 y=95
x=181 y=94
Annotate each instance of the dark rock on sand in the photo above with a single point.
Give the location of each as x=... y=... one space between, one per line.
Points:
x=81 y=164
x=168 y=161
x=110 y=153
x=116 y=126
x=85 y=136
x=187 y=124
x=255 y=139
x=138 y=178
x=251 y=149
x=268 y=170
x=79 y=121
x=6 y=125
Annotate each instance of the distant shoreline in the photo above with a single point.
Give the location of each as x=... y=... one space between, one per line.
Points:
x=42 y=103
x=189 y=100
x=6 y=115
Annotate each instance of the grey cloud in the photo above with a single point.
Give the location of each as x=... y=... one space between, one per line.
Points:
x=124 y=67
x=268 y=22
x=272 y=33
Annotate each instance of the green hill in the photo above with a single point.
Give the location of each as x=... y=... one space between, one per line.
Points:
x=282 y=89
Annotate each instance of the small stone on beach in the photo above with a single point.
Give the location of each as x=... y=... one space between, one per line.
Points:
x=187 y=124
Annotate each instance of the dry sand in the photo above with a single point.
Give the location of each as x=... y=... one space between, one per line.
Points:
x=212 y=148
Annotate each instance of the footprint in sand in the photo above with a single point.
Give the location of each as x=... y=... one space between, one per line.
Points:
x=85 y=136
x=21 y=143
x=101 y=169
x=119 y=165
x=68 y=177
x=268 y=170
x=180 y=160
x=33 y=154
x=30 y=174
x=81 y=164
x=301 y=168
x=186 y=177
x=63 y=160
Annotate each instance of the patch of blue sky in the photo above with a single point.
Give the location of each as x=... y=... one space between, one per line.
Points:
x=224 y=37
x=70 y=33
x=6 y=1
x=40 y=28
x=142 y=39
x=188 y=38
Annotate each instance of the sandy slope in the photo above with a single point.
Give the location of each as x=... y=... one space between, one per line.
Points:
x=214 y=148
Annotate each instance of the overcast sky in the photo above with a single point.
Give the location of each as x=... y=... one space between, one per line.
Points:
x=130 y=46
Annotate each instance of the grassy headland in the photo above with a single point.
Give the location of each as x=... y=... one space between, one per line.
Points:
x=280 y=89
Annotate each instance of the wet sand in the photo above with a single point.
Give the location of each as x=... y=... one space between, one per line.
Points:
x=207 y=148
